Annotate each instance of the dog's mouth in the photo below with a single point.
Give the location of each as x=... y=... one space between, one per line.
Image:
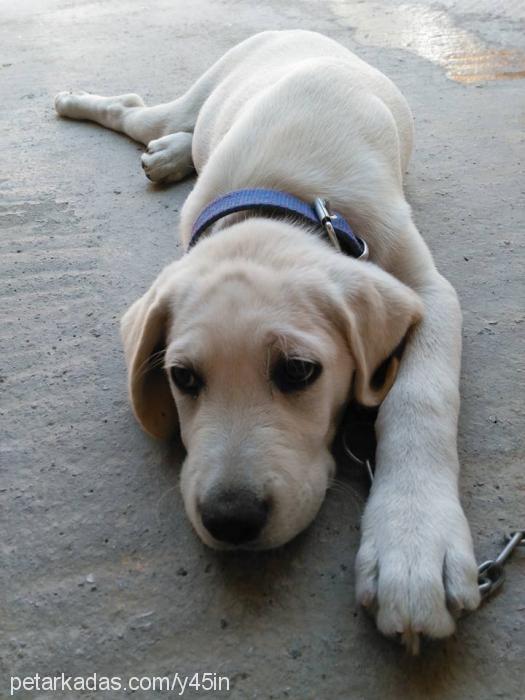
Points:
x=254 y=546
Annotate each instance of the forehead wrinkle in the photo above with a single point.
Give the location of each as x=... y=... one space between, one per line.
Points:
x=242 y=342
x=297 y=342
x=234 y=280
x=205 y=340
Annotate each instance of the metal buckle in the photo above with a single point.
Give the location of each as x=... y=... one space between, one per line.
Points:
x=322 y=210
x=365 y=253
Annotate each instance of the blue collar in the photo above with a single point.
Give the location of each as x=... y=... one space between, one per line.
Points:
x=274 y=202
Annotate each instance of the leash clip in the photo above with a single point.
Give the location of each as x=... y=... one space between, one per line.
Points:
x=322 y=210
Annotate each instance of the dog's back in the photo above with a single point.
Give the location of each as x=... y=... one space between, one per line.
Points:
x=257 y=64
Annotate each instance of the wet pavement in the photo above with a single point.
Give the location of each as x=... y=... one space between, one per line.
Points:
x=100 y=570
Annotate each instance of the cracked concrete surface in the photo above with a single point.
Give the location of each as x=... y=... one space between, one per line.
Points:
x=100 y=569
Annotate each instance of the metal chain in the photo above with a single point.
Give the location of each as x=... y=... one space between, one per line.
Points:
x=491 y=573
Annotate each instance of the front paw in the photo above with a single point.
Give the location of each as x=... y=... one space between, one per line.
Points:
x=415 y=568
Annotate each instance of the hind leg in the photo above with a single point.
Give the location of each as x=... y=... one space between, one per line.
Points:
x=168 y=156
x=124 y=113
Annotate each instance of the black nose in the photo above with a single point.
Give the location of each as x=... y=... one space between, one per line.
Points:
x=235 y=517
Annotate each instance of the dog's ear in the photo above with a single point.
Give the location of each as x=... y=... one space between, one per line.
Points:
x=380 y=312
x=143 y=328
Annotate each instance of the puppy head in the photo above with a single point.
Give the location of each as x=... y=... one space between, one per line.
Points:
x=252 y=354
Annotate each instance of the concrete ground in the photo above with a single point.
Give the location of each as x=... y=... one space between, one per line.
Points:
x=100 y=569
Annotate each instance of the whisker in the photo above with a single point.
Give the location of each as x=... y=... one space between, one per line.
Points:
x=338 y=486
x=157 y=510
x=152 y=362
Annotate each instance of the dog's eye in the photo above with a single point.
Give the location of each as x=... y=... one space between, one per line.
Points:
x=292 y=374
x=186 y=380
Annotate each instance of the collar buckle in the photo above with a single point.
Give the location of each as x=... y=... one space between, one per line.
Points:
x=364 y=255
x=325 y=216
x=322 y=210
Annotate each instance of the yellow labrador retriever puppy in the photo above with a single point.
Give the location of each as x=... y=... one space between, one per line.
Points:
x=253 y=342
